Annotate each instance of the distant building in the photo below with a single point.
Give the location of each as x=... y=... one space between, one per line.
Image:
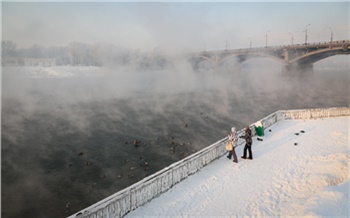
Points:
x=42 y=62
x=10 y=61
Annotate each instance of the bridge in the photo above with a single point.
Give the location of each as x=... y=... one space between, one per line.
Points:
x=292 y=57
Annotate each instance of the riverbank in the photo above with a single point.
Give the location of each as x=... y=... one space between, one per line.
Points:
x=292 y=174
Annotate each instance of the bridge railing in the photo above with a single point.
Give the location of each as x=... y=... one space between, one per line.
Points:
x=299 y=45
x=128 y=199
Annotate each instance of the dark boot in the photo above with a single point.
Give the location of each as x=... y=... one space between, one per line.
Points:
x=245 y=152
x=229 y=155
x=250 y=153
x=234 y=156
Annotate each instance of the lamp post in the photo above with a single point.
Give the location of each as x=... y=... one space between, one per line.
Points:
x=331 y=34
x=291 y=36
x=250 y=44
x=306 y=33
x=266 y=38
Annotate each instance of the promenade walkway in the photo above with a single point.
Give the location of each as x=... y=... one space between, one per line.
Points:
x=301 y=168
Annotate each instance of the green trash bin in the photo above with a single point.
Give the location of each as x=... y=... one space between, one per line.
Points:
x=259 y=129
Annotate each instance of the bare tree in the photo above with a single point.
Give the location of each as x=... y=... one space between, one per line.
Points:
x=8 y=49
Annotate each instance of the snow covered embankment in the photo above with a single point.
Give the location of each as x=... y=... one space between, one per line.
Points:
x=310 y=178
x=282 y=180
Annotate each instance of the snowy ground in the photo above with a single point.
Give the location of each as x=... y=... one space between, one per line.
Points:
x=307 y=179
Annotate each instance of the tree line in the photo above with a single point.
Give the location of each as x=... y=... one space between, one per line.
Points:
x=82 y=54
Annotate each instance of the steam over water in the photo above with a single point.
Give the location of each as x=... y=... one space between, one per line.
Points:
x=79 y=134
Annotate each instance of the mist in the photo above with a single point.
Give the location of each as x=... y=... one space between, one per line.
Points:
x=121 y=101
x=77 y=134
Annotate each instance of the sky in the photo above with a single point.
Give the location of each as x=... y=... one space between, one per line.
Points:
x=178 y=26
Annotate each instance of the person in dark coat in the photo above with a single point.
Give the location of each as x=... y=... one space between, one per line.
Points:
x=232 y=138
x=248 y=145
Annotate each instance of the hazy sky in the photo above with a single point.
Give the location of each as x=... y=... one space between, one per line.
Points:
x=178 y=25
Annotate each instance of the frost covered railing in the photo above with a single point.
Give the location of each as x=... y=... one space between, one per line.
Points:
x=143 y=191
x=303 y=114
x=128 y=199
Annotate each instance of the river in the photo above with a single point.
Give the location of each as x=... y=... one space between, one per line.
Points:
x=72 y=136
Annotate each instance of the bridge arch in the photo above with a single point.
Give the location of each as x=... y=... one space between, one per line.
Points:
x=314 y=56
x=298 y=56
x=242 y=57
x=239 y=57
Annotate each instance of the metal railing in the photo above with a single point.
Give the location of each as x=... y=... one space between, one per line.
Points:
x=128 y=199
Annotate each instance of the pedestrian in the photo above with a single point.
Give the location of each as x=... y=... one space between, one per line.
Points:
x=231 y=144
x=248 y=144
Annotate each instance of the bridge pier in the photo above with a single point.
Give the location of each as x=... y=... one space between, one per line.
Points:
x=298 y=69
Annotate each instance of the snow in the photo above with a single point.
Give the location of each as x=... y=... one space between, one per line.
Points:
x=304 y=174
x=56 y=71
x=258 y=124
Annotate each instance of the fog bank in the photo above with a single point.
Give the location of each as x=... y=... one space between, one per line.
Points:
x=79 y=134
